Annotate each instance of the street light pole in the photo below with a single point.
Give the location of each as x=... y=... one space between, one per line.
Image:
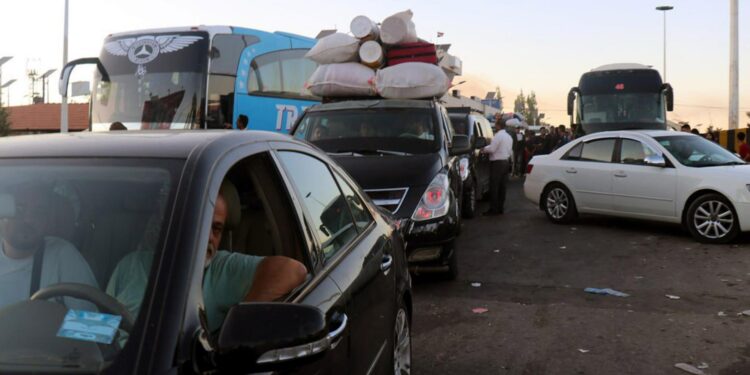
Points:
x=7 y=95
x=734 y=71
x=3 y=60
x=664 y=9
x=64 y=104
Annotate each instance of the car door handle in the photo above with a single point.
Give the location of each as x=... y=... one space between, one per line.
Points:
x=387 y=263
x=621 y=174
x=571 y=170
x=334 y=337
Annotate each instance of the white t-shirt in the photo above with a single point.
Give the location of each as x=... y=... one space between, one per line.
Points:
x=62 y=263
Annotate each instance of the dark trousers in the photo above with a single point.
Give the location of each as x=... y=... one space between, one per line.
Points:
x=499 y=170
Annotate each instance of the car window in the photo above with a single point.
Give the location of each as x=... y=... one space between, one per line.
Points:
x=361 y=216
x=634 y=152
x=600 y=150
x=574 y=153
x=332 y=221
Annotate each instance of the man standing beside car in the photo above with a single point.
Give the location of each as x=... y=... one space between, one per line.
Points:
x=500 y=151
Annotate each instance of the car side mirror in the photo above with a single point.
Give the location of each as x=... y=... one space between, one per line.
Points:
x=259 y=337
x=480 y=142
x=655 y=161
x=461 y=145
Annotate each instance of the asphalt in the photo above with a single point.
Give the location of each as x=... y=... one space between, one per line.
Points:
x=539 y=320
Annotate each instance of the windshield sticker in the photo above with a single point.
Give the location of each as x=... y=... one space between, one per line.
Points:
x=147 y=48
x=89 y=326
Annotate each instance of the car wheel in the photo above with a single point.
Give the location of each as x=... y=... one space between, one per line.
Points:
x=470 y=201
x=712 y=219
x=402 y=342
x=558 y=204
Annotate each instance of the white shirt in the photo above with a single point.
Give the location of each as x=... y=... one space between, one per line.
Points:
x=501 y=147
x=62 y=263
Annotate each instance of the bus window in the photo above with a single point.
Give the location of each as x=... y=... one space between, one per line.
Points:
x=281 y=73
x=226 y=51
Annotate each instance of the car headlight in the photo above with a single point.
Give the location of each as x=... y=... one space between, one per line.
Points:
x=435 y=201
x=463 y=168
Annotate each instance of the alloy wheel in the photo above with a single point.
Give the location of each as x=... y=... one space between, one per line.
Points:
x=713 y=219
x=557 y=203
x=402 y=344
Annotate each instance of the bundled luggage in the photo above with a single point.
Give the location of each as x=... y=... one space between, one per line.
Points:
x=388 y=60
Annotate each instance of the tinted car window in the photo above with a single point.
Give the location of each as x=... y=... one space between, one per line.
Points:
x=574 y=153
x=599 y=150
x=361 y=216
x=634 y=152
x=332 y=221
x=460 y=124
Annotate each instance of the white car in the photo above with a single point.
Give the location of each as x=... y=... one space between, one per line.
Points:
x=654 y=175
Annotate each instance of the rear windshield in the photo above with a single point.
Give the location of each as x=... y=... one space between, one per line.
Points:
x=374 y=131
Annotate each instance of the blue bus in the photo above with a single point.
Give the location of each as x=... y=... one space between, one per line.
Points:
x=201 y=77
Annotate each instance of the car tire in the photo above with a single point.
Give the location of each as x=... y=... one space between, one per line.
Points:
x=470 y=201
x=558 y=204
x=402 y=340
x=712 y=219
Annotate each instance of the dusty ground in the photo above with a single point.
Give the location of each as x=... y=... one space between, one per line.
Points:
x=540 y=321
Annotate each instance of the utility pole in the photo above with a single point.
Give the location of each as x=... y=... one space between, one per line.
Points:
x=734 y=67
x=664 y=9
x=64 y=104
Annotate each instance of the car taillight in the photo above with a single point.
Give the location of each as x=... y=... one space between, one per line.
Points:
x=529 y=167
x=434 y=202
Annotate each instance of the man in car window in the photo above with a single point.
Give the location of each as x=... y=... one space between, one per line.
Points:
x=229 y=278
x=29 y=259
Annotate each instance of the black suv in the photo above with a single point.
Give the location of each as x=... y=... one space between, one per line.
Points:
x=474 y=165
x=403 y=154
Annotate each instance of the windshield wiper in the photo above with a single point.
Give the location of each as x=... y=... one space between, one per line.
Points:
x=731 y=163
x=397 y=153
x=362 y=152
x=344 y=153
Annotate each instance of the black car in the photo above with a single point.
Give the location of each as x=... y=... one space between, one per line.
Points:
x=475 y=165
x=109 y=196
x=403 y=154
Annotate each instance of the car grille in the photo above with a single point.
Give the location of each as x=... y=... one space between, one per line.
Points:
x=390 y=199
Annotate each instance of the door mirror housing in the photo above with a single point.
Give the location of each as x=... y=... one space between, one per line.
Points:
x=668 y=96
x=655 y=161
x=259 y=337
x=481 y=142
x=68 y=69
x=572 y=99
x=461 y=145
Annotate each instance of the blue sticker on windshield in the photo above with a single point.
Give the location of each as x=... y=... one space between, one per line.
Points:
x=89 y=326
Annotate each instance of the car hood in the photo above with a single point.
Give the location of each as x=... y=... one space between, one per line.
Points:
x=740 y=173
x=383 y=172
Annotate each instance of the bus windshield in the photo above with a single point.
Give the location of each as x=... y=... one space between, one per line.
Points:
x=622 y=108
x=156 y=82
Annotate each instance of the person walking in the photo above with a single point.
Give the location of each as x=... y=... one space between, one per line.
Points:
x=519 y=148
x=500 y=151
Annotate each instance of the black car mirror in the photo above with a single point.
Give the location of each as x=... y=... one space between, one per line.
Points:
x=655 y=161
x=461 y=145
x=571 y=99
x=480 y=142
x=271 y=337
x=669 y=96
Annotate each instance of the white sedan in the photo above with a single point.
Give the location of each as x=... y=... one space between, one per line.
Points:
x=654 y=175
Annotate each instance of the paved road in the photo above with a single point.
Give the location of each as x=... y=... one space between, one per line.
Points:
x=539 y=320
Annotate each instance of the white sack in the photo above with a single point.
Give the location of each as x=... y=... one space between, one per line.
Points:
x=346 y=79
x=334 y=48
x=412 y=80
x=398 y=29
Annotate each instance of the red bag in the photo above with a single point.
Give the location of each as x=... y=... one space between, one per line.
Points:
x=411 y=52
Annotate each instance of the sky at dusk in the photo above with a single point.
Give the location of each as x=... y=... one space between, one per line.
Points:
x=529 y=45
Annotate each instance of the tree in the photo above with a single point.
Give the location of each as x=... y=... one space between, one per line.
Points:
x=520 y=105
x=532 y=110
x=499 y=97
x=4 y=122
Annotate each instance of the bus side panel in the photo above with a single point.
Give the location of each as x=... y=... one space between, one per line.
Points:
x=268 y=113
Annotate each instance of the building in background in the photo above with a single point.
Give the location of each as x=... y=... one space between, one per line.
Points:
x=45 y=118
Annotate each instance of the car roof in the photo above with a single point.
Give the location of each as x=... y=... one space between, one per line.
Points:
x=368 y=104
x=647 y=133
x=176 y=144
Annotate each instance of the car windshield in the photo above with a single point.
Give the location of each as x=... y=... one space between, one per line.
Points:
x=622 y=108
x=374 y=131
x=695 y=151
x=460 y=125
x=64 y=226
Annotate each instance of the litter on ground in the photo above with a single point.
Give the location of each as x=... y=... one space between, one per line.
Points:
x=606 y=291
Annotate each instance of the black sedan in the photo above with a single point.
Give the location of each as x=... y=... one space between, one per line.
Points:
x=145 y=253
